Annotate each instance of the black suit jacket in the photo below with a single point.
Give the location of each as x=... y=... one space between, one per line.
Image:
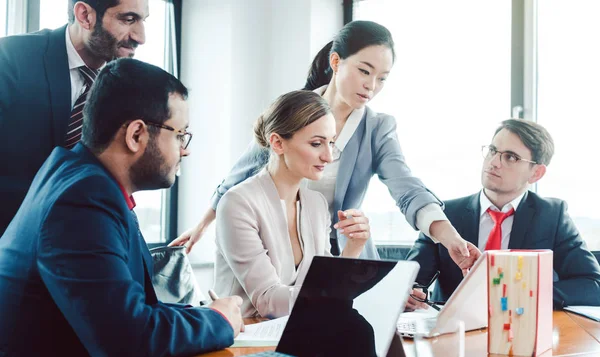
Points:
x=539 y=223
x=75 y=274
x=35 y=105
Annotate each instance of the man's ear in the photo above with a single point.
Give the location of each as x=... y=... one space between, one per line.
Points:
x=539 y=172
x=85 y=15
x=334 y=61
x=136 y=136
x=276 y=143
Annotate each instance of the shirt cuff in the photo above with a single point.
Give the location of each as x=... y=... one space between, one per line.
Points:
x=427 y=215
x=219 y=312
x=214 y=200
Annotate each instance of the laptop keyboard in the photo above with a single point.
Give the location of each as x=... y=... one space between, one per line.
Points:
x=409 y=326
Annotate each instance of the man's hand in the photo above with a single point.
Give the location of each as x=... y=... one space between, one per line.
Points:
x=412 y=304
x=230 y=308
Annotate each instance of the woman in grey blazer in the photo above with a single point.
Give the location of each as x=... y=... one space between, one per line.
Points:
x=348 y=72
x=269 y=227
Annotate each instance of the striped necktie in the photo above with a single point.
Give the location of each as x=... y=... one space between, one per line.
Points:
x=75 y=123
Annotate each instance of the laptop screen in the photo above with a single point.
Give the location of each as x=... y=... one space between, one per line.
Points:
x=347 y=307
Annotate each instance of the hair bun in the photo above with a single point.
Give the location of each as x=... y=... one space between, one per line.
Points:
x=259 y=132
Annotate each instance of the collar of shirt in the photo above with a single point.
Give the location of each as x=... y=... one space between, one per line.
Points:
x=485 y=203
x=350 y=126
x=75 y=60
x=129 y=199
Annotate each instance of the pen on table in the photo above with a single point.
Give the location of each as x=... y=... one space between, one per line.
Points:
x=212 y=295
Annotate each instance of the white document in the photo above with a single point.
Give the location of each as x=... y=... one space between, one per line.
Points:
x=263 y=334
x=591 y=312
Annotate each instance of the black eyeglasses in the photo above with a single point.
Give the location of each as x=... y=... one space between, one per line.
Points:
x=425 y=288
x=184 y=137
x=506 y=158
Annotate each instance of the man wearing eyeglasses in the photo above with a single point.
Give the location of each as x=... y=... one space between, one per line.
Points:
x=74 y=267
x=506 y=215
x=44 y=80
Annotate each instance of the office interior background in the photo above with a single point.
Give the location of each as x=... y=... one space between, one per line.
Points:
x=462 y=66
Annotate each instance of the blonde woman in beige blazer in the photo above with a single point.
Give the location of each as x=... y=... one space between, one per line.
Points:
x=270 y=227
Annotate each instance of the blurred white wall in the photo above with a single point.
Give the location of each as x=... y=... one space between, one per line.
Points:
x=237 y=57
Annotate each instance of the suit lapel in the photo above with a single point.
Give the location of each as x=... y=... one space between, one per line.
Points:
x=58 y=77
x=306 y=228
x=523 y=216
x=470 y=220
x=346 y=167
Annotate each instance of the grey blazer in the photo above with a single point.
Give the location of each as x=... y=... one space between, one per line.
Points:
x=373 y=149
x=254 y=255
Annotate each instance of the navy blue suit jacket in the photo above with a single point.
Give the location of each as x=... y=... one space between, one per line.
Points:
x=539 y=223
x=35 y=105
x=75 y=274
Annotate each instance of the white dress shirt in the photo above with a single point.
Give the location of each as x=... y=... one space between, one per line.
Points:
x=486 y=223
x=75 y=61
x=326 y=185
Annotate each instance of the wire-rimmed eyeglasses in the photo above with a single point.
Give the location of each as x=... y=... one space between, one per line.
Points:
x=507 y=158
x=425 y=289
x=184 y=137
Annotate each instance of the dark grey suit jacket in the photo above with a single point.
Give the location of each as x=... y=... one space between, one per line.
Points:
x=539 y=223
x=35 y=105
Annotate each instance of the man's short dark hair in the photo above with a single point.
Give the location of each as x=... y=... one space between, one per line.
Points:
x=534 y=136
x=100 y=6
x=126 y=90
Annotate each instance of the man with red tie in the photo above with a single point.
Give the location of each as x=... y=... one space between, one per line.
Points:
x=506 y=215
x=44 y=80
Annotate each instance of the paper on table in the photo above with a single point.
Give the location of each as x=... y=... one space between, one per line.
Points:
x=591 y=312
x=262 y=334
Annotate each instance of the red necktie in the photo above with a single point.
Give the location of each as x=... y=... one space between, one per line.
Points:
x=494 y=241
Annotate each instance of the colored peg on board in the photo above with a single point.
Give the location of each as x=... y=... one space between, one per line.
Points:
x=530 y=293
x=496 y=281
x=520 y=262
x=519 y=310
x=510 y=316
x=499 y=270
x=507 y=327
x=503 y=289
x=501 y=275
x=492 y=260
x=504 y=303
x=518 y=276
x=510 y=338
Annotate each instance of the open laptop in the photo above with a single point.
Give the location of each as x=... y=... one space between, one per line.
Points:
x=468 y=303
x=348 y=307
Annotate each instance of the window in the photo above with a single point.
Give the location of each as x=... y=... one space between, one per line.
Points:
x=53 y=13
x=567 y=105
x=3 y=17
x=449 y=89
x=150 y=207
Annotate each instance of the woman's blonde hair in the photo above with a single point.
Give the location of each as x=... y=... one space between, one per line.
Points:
x=288 y=114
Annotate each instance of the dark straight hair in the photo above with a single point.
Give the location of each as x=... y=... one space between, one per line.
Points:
x=126 y=90
x=352 y=38
x=534 y=136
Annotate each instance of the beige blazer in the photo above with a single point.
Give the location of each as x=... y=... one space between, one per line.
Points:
x=254 y=254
